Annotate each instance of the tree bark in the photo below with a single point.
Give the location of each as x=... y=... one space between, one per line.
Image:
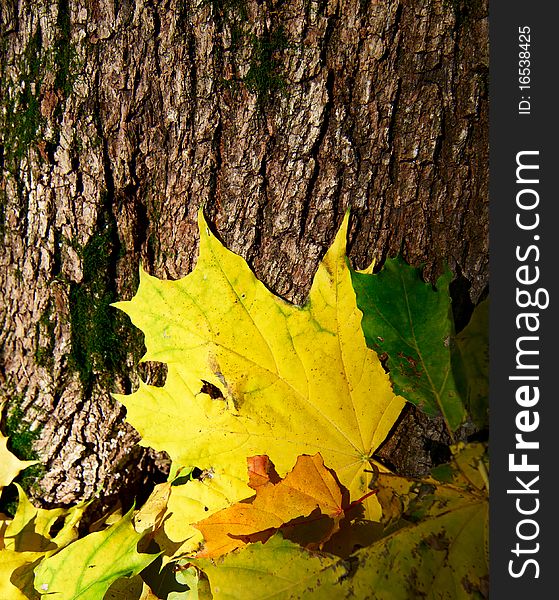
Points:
x=121 y=118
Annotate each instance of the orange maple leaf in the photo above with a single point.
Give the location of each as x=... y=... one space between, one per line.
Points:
x=307 y=504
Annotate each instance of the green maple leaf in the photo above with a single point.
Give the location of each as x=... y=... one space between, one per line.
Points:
x=249 y=373
x=410 y=322
x=472 y=345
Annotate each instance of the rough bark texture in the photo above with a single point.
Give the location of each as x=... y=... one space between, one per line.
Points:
x=119 y=119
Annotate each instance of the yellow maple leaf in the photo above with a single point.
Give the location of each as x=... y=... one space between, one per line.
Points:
x=16 y=573
x=30 y=529
x=10 y=465
x=249 y=373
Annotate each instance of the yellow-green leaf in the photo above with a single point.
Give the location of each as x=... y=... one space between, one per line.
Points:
x=198 y=589
x=249 y=373
x=277 y=569
x=440 y=548
x=472 y=462
x=86 y=569
x=452 y=486
x=443 y=557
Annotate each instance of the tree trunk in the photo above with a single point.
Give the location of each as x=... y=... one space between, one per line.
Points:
x=121 y=118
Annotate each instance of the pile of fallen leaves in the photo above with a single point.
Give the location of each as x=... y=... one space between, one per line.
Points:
x=272 y=414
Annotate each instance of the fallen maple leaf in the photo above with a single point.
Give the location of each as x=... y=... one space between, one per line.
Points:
x=97 y=560
x=28 y=538
x=472 y=344
x=30 y=529
x=153 y=510
x=10 y=465
x=411 y=323
x=285 y=380
x=309 y=488
x=277 y=569
x=441 y=555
